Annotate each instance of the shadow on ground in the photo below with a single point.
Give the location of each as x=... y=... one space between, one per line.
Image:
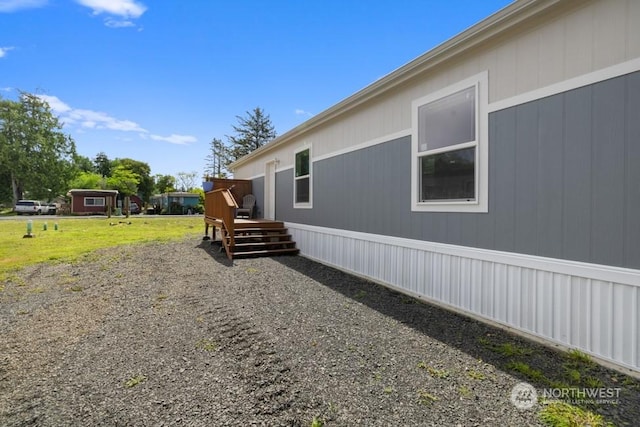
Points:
x=215 y=250
x=540 y=365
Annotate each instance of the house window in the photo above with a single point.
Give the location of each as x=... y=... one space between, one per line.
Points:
x=302 y=178
x=94 y=201
x=450 y=149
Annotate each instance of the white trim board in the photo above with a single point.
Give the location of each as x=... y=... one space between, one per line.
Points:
x=600 y=272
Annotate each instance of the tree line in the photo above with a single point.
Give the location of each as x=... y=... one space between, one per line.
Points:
x=39 y=161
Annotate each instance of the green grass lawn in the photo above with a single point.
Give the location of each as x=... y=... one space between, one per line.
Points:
x=78 y=236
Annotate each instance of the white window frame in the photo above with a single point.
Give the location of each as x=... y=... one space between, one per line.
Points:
x=309 y=204
x=102 y=199
x=481 y=144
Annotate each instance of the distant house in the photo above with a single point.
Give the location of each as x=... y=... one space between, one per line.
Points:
x=495 y=175
x=88 y=201
x=177 y=202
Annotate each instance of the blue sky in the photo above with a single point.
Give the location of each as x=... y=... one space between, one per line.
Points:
x=156 y=80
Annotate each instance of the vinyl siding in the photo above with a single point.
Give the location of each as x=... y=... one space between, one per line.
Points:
x=563 y=183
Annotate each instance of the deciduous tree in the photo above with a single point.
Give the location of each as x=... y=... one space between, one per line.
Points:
x=123 y=180
x=186 y=180
x=35 y=155
x=165 y=183
x=143 y=171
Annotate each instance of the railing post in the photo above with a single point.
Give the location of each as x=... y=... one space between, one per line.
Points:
x=221 y=205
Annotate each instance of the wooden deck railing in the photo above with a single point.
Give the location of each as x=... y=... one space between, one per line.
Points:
x=221 y=205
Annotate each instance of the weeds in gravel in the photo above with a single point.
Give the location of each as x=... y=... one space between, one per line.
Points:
x=317 y=422
x=561 y=414
x=476 y=375
x=134 y=381
x=573 y=374
x=529 y=372
x=360 y=294
x=465 y=391
x=206 y=345
x=579 y=358
x=436 y=373
x=388 y=390
x=76 y=288
x=506 y=349
x=426 y=398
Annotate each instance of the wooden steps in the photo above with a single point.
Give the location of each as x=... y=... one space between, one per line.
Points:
x=264 y=240
x=259 y=238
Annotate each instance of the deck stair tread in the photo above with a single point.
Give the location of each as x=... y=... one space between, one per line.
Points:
x=260 y=229
x=274 y=240
x=266 y=252
x=253 y=244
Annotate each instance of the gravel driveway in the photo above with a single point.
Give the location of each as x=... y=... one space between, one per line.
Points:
x=173 y=334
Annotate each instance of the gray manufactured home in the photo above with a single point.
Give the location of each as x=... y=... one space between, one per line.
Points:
x=497 y=175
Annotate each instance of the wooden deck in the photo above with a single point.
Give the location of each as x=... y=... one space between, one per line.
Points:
x=242 y=237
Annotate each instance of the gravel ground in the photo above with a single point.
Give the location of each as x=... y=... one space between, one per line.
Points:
x=174 y=334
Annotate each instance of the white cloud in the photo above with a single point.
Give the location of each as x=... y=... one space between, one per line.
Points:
x=89 y=119
x=55 y=104
x=99 y=120
x=123 y=8
x=300 y=112
x=15 y=5
x=6 y=89
x=174 y=139
x=4 y=50
x=84 y=120
x=114 y=23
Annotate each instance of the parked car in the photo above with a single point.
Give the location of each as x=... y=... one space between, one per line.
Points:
x=28 y=207
x=52 y=209
x=134 y=208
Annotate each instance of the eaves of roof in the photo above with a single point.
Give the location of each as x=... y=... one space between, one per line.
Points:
x=89 y=190
x=496 y=24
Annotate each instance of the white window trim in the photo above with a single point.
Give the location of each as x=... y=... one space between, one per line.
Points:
x=94 y=201
x=308 y=205
x=481 y=203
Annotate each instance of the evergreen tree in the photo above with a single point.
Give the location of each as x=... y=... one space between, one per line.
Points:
x=103 y=164
x=217 y=159
x=252 y=132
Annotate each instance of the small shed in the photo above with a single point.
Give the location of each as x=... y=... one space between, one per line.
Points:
x=91 y=201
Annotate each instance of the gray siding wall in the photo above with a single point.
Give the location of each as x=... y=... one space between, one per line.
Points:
x=564 y=182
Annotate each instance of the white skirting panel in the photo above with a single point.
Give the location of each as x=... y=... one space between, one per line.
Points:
x=593 y=308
